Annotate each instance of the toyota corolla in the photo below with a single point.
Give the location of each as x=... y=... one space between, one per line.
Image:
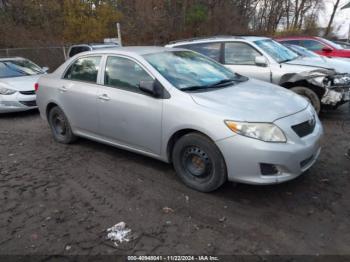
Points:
x=183 y=108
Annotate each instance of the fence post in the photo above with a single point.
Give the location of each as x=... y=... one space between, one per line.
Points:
x=64 y=52
x=7 y=52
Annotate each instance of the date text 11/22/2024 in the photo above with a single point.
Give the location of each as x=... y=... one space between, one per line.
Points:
x=173 y=258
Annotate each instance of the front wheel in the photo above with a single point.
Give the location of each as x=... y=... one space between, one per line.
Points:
x=310 y=95
x=60 y=126
x=199 y=163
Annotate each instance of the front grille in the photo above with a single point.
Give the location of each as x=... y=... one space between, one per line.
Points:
x=305 y=128
x=28 y=103
x=27 y=92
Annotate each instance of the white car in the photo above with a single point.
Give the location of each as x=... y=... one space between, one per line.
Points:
x=18 y=77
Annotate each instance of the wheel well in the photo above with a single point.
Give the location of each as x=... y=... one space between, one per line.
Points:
x=176 y=136
x=49 y=107
x=318 y=90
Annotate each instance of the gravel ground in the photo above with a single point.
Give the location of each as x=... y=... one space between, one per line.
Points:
x=58 y=199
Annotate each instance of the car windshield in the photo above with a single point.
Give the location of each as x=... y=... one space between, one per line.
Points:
x=302 y=51
x=18 y=67
x=277 y=51
x=331 y=43
x=187 y=70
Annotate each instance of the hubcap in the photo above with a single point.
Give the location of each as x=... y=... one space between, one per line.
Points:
x=59 y=124
x=196 y=162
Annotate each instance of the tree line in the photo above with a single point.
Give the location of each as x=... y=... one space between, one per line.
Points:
x=57 y=22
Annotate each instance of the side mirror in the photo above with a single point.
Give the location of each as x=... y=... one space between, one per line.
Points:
x=152 y=87
x=261 y=61
x=45 y=69
x=327 y=49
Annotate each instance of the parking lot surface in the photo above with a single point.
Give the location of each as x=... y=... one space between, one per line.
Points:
x=60 y=199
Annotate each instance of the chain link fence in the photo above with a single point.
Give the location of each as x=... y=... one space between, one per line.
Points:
x=51 y=57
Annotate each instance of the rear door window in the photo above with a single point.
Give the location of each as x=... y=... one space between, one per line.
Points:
x=212 y=50
x=84 y=69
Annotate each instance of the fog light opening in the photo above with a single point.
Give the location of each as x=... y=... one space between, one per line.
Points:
x=268 y=169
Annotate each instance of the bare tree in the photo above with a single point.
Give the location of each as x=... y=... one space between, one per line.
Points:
x=335 y=8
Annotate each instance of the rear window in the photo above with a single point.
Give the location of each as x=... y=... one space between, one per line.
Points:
x=78 y=49
x=20 y=67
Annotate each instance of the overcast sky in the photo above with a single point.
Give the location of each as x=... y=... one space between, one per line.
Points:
x=341 y=19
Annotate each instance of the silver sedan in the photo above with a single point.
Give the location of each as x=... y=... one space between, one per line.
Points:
x=181 y=107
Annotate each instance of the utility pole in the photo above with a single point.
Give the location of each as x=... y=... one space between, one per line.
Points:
x=119 y=34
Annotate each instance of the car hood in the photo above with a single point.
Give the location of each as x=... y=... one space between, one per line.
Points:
x=311 y=62
x=340 y=65
x=21 y=83
x=252 y=101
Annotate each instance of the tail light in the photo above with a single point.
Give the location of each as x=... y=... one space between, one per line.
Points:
x=36 y=87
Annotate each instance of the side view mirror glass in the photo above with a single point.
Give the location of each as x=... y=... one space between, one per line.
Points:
x=151 y=87
x=261 y=61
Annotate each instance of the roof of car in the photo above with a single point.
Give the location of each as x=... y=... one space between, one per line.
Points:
x=296 y=37
x=11 y=58
x=95 y=45
x=217 y=38
x=140 y=50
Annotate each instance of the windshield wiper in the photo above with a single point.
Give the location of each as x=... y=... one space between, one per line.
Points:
x=221 y=83
x=192 y=88
x=224 y=82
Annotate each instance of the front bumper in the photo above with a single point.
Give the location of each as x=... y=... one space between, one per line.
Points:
x=244 y=155
x=17 y=102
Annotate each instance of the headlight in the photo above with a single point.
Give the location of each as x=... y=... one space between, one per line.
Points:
x=342 y=80
x=263 y=131
x=6 y=91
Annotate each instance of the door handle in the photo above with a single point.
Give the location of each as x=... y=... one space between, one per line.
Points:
x=63 y=89
x=104 y=97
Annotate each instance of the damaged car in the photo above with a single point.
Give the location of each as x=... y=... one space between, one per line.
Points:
x=265 y=59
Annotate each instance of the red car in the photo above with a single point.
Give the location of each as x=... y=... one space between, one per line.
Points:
x=319 y=45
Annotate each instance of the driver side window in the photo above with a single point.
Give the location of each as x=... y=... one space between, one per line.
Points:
x=124 y=73
x=240 y=54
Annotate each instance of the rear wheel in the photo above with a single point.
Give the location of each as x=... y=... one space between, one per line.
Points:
x=310 y=95
x=60 y=126
x=199 y=163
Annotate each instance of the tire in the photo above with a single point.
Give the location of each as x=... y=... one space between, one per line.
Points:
x=199 y=163
x=60 y=126
x=310 y=95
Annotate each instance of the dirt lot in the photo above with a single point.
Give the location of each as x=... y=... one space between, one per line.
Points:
x=58 y=199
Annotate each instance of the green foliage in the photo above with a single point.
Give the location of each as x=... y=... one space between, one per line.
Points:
x=197 y=14
x=87 y=21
